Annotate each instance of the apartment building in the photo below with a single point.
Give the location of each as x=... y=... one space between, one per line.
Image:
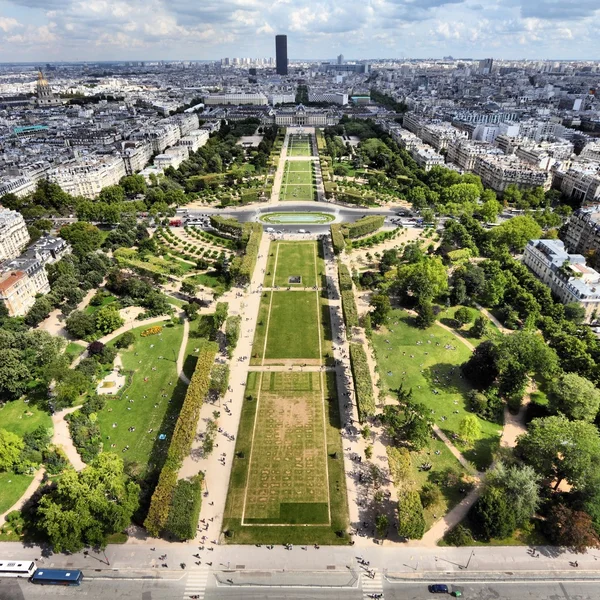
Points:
x=255 y=99
x=13 y=234
x=582 y=184
x=463 y=153
x=567 y=275
x=17 y=292
x=440 y=136
x=426 y=158
x=583 y=230
x=498 y=172
x=194 y=140
x=19 y=186
x=330 y=97
x=171 y=157
x=87 y=176
x=136 y=155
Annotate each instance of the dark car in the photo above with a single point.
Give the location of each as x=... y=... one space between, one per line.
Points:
x=438 y=588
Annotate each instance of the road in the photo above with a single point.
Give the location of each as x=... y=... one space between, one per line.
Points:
x=103 y=589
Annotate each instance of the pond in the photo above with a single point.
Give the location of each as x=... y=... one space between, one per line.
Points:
x=296 y=217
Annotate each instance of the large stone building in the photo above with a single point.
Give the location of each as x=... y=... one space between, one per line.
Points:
x=498 y=172
x=567 y=275
x=13 y=234
x=302 y=116
x=583 y=230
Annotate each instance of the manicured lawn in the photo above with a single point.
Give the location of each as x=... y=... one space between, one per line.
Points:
x=285 y=462
x=429 y=366
x=294 y=259
x=21 y=418
x=12 y=487
x=299 y=145
x=210 y=280
x=74 y=350
x=293 y=326
x=447 y=318
x=90 y=310
x=297 y=182
x=142 y=404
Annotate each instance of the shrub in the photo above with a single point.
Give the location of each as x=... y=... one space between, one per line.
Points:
x=125 y=340
x=363 y=385
x=430 y=495
x=232 y=333
x=459 y=535
x=181 y=442
x=349 y=309
x=339 y=244
x=411 y=521
x=185 y=508
x=363 y=226
x=344 y=277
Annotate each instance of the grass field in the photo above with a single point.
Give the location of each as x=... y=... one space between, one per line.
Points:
x=21 y=418
x=299 y=145
x=297 y=181
x=74 y=350
x=293 y=326
x=294 y=259
x=288 y=464
x=432 y=365
x=149 y=409
x=12 y=487
x=287 y=467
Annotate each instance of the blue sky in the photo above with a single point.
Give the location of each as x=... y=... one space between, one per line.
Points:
x=47 y=30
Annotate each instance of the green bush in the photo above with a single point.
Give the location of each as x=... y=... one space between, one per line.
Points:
x=363 y=385
x=185 y=508
x=459 y=535
x=363 y=226
x=349 y=309
x=339 y=244
x=227 y=225
x=181 y=442
x=344 y=277
x=232 y=333
x=411 y=521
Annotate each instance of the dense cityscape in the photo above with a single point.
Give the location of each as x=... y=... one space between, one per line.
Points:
x=304 y=328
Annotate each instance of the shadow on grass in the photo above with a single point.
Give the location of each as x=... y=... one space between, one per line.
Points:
x=446 y=378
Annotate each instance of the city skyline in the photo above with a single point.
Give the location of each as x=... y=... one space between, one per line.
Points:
x=32 y=30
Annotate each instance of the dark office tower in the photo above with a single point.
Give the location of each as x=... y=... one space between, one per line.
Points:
x=281 y=54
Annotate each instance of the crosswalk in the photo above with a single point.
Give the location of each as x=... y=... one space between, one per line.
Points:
x=196 y=583
x=371 y=585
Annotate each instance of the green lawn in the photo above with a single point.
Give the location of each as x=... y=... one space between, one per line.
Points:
x=285 y=482
x=90 y=309
x=293 y=326
x=21 y=418
x=297 y=181
x=149 y=409
x=294 y=259
x=431 y=366
x=210 y=280
x=299 y=145
x=447 y=318
x=74 y=350
x=12 y=487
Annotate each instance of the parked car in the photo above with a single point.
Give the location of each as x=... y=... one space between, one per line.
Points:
x=438 y=588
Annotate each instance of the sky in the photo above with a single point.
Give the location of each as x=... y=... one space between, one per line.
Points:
x=52 y=30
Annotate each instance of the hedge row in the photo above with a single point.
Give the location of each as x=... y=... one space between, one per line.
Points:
x=363 y=385
x=185 y=508
x=181 y=442
x=339 y=244
x=354 y=197
x=227 y=225
x=232 y=333
x=349 y=308
x=243 y=267
x=363 y=226
x=345 y=278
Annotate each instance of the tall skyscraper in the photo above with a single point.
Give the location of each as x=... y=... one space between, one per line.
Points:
x=340 y=59
x=281 y=54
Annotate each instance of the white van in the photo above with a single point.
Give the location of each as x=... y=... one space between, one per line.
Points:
x=302 y=231
x=270 y=230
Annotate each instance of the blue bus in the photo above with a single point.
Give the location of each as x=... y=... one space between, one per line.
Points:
x=57 y=577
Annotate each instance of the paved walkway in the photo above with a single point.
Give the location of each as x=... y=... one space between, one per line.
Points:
x=276 y=189
x=62 y=437
x=31 y=488
x=182 y=355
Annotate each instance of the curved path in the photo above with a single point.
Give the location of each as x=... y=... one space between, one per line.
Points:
x=62 y=437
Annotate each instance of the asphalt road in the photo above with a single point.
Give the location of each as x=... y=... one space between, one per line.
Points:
x=167 y=590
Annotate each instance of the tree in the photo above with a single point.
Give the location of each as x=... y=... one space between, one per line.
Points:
x=425 y=315
x=572 y=528
x=490 y=210
x=430 y=495
x=521 y=487
x=112 y=194
x=574 y=396
x=382 y=524
x=469 y=429
x=459 y=292
x=188 y=288
x=83 y=237
x=14 y=374
x=481 y=327
x=411 y=521
x=86 y=507
x=125 y=340
x=492 y=514
x=108 y=319
x=482 y=368
x=574 y=312
x=407 y=422
x=10 y=449
x=561 y=449
x=80 y=325
x=133 y=185
x=424 y=280
x=462 y=316
x=382 y=305
x=38 y=312
x=516 y=232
